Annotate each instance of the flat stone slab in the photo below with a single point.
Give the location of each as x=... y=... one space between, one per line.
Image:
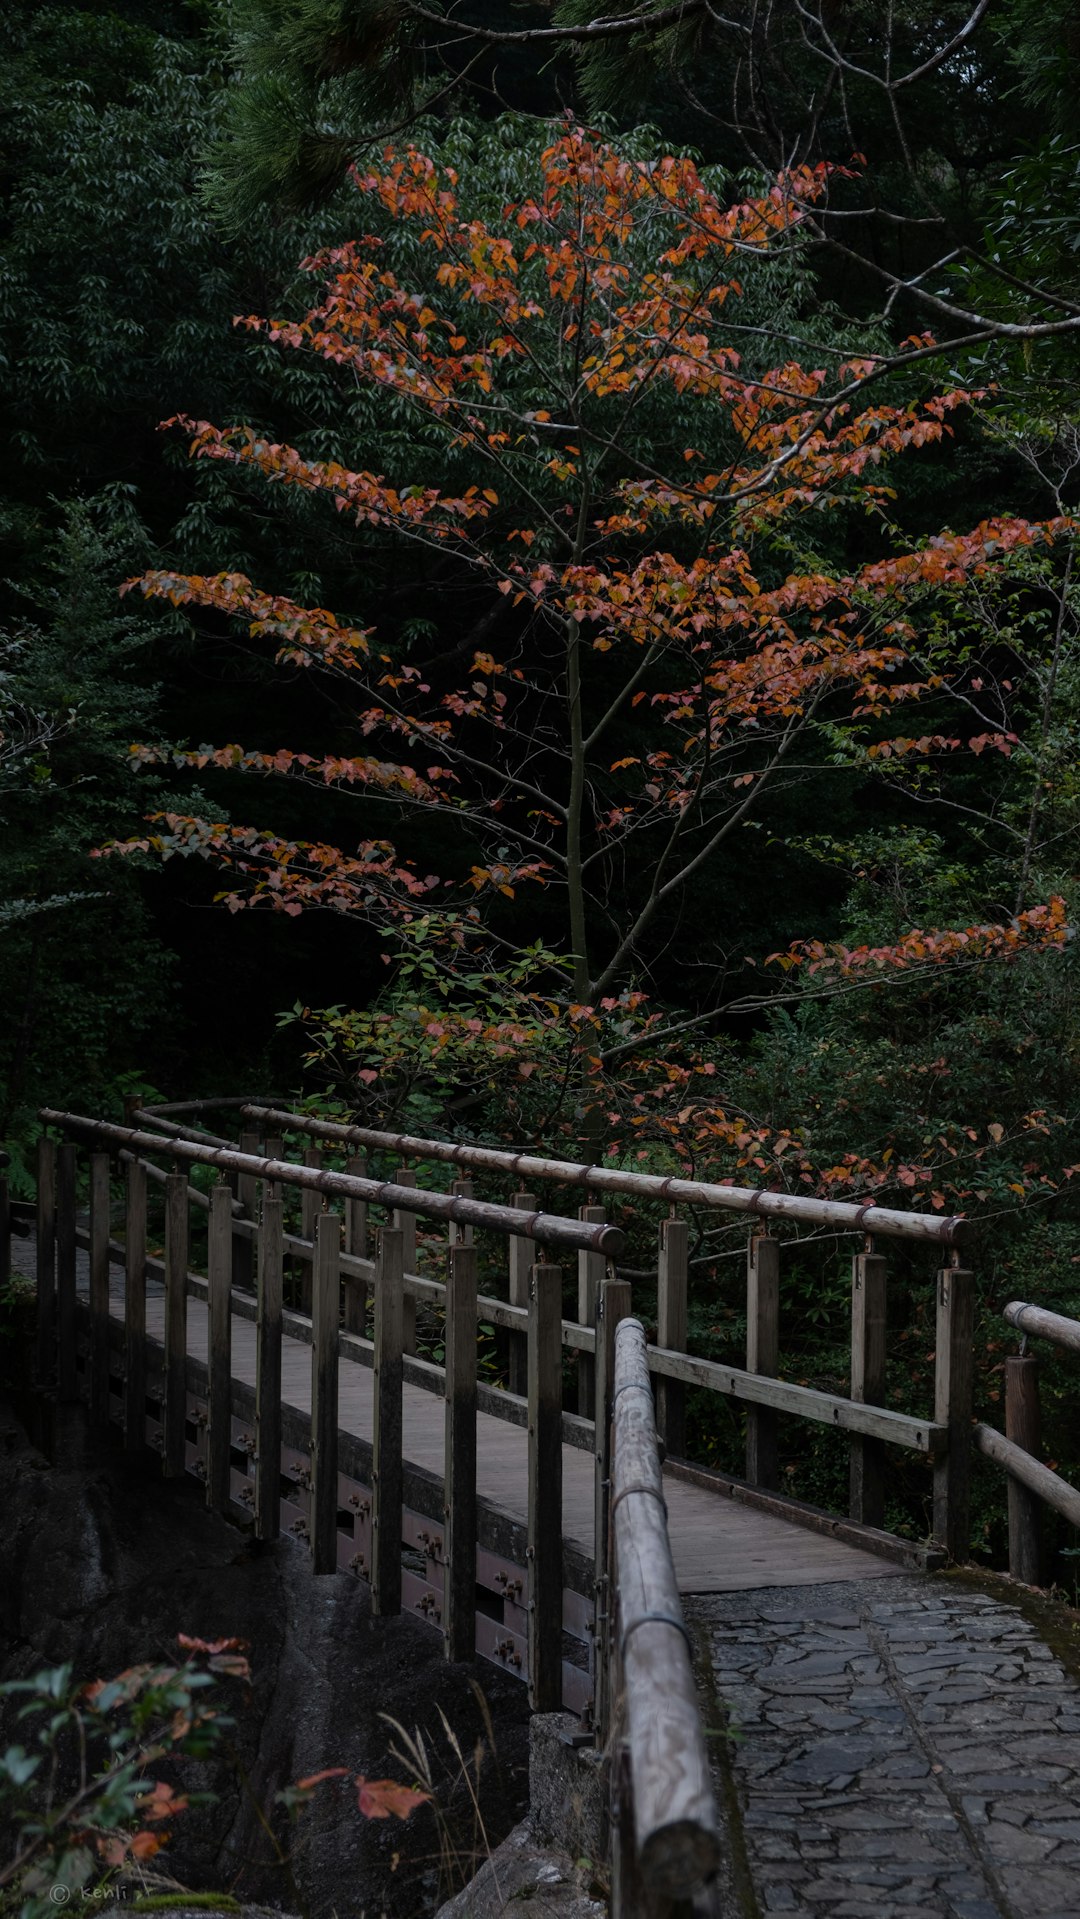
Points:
x=901 y=1749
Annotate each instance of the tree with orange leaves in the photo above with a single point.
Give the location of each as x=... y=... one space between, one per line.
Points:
x=637 y=458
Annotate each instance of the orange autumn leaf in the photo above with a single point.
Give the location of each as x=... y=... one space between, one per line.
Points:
x=383 y=1798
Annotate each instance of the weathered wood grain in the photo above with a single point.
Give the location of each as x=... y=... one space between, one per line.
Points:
x=174 y=1418
x=673 y=1269
x=675 y=1818
x=325 y=1291
x=459 y=1597
x=386 y=1471
x=219 y=1270
x=953 y=1394
x=269 y=1278
x=867 y=1463
x=545 y=1463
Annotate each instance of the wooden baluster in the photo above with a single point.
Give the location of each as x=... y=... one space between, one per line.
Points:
x=544 y=1549
x=521 y=1256
x=46 y=1260
x=953 y=1386
x=356 y=1243
x=325 y=1319
x=459 y=1591
x=176 y=1268
x=243 y=1251
x=1023 y=1425
x=673 y=1269
x=135 y=1307
x=386 y=1474
x=612 y=1306
x=268 y=1272
x=405 y=1224
x=99 y=1289
x=762 y=1355
x=310 y=1204
x=867 y=1470
x=591 y=1268
x=219 y=1271
x=67 y=1377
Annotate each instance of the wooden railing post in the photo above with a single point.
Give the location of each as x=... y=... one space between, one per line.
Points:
x=867 y=1468
x=591 y=1268
x=612 y=1306
x=520 y=1252
x=310 y=1202
x=269 y=1267
x=242 y=1253
x=544 y=1549
x=99 y=1289
x=459 y=1592
x=762 y=1355
x=356 y=1244
x=1023 y=1425
x=325 y=1315
x=67 y=1377
x=176 y=1270
x=219 y=1273
x=135 y=1307
x=673 y=1267
x=953 y=1380
x=46 y=1260
x=387 y=1484
x=405 y=1224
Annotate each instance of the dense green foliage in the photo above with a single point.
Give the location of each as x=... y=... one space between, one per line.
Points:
x=158 y=171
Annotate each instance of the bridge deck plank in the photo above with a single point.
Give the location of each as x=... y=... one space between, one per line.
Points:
x=718 y=1546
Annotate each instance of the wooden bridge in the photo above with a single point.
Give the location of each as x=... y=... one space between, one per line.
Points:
x=286 y=1375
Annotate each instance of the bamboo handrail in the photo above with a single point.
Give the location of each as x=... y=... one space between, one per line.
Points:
x=549 y=1228
x=675 y=1820
x=1050 y=1488
x=843 y=1214
x=1044 y=1325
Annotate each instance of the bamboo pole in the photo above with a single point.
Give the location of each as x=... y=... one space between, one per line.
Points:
x=269 y=1268
x=1040 y=1324
x=675 y=1819
x=135 y=1306
x=176 y=1269
x=325 y=1294
x=867 y=1462
x=46 y=1260
x=844 y=1215
x=544 y=1549
x=387 y=1490
x=67 y=1377
x=1054 y=1492
x=459 y=1591
x=99 y=1288
x=219 y=1271
x=550 y=1228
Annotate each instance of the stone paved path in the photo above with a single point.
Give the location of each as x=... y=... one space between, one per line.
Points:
x=902 y=1748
